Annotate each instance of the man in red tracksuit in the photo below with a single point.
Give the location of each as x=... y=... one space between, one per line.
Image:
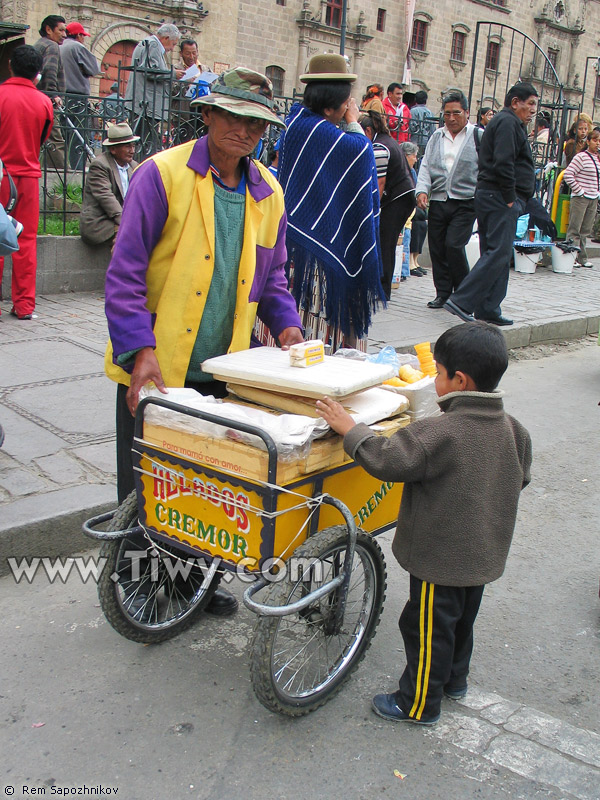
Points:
x=25 y=123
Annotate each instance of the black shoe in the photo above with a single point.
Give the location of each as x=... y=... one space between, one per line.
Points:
x=458 y=311
x=437 y=303
x=500 y=320
x=14 y=313
x=222 y=604
x=402 y=279
x=385 y=705
x=417 y=272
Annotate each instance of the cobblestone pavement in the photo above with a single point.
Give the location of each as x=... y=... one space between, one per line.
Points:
x=57 y=408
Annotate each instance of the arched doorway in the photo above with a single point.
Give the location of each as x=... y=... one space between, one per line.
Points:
x=119 y=51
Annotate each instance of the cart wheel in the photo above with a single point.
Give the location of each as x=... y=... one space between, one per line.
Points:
x=299 y=661
x=145 y=597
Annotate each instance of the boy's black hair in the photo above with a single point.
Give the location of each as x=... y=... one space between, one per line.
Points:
x=51 y=21
x=320 y=95
x=475 y=348
x=25 y=62
x=421 y=98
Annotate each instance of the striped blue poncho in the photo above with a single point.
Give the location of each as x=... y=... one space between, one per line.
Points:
x=332 y=204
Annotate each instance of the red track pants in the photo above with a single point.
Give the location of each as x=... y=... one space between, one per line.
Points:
x=24 y=261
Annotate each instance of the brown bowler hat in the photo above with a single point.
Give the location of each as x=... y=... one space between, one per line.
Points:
x=328 y=67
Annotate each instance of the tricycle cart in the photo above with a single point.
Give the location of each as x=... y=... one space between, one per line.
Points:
x=301 y=532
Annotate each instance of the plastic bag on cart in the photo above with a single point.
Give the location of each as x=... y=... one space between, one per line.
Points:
x=290 y=432
x=387 y=355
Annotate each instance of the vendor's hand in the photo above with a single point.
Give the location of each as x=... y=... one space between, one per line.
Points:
x=57 y=101
x=352 y=113
x=335 y=415
x=422 y=200
x=146 y=369
x=179 y=73
x=290 y=336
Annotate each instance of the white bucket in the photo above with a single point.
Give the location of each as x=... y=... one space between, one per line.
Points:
x=526 y=262
x=563 y=262
x=472 y=250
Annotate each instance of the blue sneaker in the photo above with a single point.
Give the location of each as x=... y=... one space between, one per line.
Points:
x=385 y=705
x=456 y=692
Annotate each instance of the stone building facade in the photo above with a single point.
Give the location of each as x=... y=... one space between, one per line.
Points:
x=279 y=36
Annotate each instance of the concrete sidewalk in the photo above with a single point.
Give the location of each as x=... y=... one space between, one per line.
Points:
x=57 y=465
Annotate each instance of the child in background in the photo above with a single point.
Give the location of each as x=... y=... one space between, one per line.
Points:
x=462 y=473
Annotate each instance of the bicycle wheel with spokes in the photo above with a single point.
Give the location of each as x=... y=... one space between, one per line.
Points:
x=301 y=660
x=150 y=594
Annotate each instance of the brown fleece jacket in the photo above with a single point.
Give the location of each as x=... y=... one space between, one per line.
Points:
x=462 y=473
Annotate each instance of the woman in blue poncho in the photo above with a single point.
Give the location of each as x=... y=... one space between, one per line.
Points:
x=332 y=202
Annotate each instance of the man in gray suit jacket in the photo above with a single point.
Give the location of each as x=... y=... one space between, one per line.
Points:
x=149 y=82
x=106 y=186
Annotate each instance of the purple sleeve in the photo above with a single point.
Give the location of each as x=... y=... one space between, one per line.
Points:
x=277 y=307
x=144 y=215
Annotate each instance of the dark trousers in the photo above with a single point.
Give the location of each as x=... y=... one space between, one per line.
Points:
x=437 y=627
x=450 y=228
x=484 y=288
x=125 y=431
x=391 y=221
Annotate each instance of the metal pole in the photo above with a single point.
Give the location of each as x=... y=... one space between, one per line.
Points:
x=343 y=28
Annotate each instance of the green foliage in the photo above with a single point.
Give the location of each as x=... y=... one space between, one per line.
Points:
x=70 y=191
x=53 y=225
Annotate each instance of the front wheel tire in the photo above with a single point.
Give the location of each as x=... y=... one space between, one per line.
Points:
x=299 y=661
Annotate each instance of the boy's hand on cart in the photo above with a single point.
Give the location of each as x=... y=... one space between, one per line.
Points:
x=290 y=336
x=146 y=370
x=335 y=415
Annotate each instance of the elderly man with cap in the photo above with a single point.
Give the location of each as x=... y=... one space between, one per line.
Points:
x=106 y=186
x=79 y=66
x=199 y=255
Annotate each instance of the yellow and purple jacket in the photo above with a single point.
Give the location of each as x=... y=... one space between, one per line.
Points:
x=158 y=279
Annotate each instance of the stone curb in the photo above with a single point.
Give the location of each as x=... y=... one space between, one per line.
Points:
x=51 y=537
x=61 y=534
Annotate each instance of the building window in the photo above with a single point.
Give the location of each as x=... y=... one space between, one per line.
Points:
x=276 y=76
x=419 y=35
x=492 y=57
x=381 y=19
x=597 y=88
x=549 y=76
x=333 y=13
x=457 y=52
x=280 y=2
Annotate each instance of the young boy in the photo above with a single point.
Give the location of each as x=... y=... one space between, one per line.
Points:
x=462 y=475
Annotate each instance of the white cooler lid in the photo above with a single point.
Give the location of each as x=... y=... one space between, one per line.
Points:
x=269 y=368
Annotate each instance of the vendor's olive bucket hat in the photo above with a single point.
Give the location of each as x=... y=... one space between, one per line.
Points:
x=328 y=67
x=244 y=92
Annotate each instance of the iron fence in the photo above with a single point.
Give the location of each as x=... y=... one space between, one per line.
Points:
x=158 y=111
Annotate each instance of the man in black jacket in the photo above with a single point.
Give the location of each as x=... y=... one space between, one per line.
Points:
x=506 y=181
